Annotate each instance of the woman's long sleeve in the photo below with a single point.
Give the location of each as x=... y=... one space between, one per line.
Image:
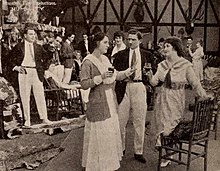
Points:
x=87 y=80
x=194 y=82
x=159 y=76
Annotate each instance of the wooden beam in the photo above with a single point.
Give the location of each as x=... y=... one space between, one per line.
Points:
x=214 y=11
x=1 y=25
x=148 y=11
x=155 y=23
x=190 y=9
x=181 y=9
x=163 y=11
x=219 y=40
x=121 y=14
x=144 y=23
x=105 y=15
x=128 y=12
x=83 y=13
x=173 y=17
x=114 y=10
x=205 y=26
x=95 y=11
x=199 y=8
x=88 y=16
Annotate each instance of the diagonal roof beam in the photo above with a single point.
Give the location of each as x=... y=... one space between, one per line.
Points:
x=163 y=11
x=181 y=9
x=115 y=11
x=198 y=9
x=128 y=12
x=96 y=9
x=148 y=11
x=214 y=11
x=83 y=13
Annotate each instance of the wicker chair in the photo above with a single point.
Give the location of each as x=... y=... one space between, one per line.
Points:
x=199 y=137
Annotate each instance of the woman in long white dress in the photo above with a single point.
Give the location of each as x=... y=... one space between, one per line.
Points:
x=173 y=73
x=102 y=146
x=197 y=59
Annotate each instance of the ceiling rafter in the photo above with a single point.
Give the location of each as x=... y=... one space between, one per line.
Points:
x=128 y=12
x=214 y=11
x=181 y=9
x=95 y=11
x=83 y=13
x=163 y=11
x=114 y=10
x=198 y=9
x=148 y=10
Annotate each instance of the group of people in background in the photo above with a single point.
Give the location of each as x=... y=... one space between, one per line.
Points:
x=116 y=80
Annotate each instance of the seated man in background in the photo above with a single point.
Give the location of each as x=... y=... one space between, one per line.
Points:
x=54 y=81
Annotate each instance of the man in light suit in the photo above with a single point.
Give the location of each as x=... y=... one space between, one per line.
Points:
x=28 y=60
x=131 y=92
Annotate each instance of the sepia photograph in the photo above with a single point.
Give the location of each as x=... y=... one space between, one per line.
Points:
x=109 y=85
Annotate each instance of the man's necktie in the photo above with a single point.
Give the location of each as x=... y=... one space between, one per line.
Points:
x=133 y=64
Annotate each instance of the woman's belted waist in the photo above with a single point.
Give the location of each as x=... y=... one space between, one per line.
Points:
x=175 y=86
x=29 y=67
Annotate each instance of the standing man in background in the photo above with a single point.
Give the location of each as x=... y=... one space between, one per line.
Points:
x=131 y=92
x=84 y=46
x=28 y=59
x=67 y=55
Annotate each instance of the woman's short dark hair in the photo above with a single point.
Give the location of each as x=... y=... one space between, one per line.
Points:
x=161 y=40
x=177 y=45
x=97 y=38
x=200 y=41
x=136 y=32
x=118 y=34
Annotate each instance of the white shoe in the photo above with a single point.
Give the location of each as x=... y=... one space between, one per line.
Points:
x=46 y=121
x=165 y=163
x=27 y=123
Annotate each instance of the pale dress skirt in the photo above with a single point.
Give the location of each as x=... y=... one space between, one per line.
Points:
x=169 y=109
x=102 y=147
x=198 y=68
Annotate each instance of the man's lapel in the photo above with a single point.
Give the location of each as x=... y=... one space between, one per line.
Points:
x=22 y=48
x=126 y=62
x=143 y=58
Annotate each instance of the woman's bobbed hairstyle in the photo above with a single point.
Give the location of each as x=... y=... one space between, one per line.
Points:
x=177 y=44
x=118 y=34
x=199 y=40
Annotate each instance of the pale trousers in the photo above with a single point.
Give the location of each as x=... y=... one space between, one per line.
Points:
x=67 y=75
x=134 y=104
x=26 y=83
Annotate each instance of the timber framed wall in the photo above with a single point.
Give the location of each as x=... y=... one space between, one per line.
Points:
x=165 y=17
